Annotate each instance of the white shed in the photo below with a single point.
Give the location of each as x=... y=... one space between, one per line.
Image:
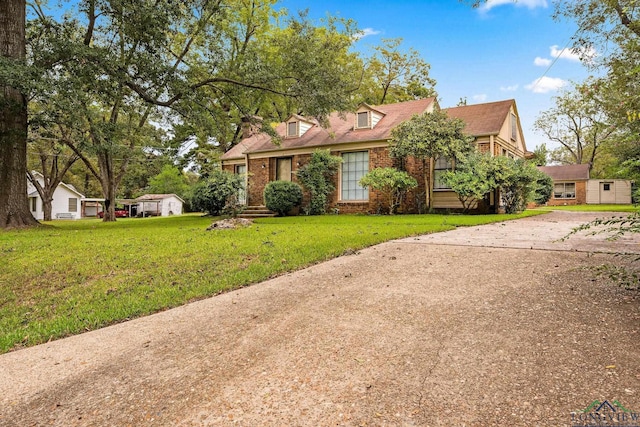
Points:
x=159 y=205
x=66 y=202
x=608 y=191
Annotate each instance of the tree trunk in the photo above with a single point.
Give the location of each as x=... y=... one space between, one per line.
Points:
x=14 y=202
x=46 y=208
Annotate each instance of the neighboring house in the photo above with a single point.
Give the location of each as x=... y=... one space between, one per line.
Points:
x=159 y=205
x=572 y=186
x=362 y=139
x=66 y=203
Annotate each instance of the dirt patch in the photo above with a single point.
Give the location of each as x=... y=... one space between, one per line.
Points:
x=403 y=333
x=230 y=223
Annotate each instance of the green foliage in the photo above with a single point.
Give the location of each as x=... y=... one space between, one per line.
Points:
x=540 y=155
x=393 y=75
x=170 y=180
x=472 y=179
x=282 y=196
x=578 y=123
x=543 y=188
x=213 y=194
x=477 y=174
x=517 y=182
x=391 y=182
x=427 y=136
x=317 y=178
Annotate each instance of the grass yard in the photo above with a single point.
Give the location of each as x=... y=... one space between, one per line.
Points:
x=75 y=276
x=592 y=208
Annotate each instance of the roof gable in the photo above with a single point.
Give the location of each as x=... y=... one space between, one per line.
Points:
x=483 y=119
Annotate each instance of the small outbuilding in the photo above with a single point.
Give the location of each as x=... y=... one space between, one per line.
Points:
x=159 y=205
x=573 y=186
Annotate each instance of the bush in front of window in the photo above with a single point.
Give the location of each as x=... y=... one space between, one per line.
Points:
x=392 y=183
x=317 y=179
x=282 y=196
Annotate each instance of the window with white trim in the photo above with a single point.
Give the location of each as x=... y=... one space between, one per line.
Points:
x=564 y=190
x=442 y=165
x=354 y=166
x=34 y=203
x=363 y=119
x=292 y=129
x=514 y=127
x=73 y=204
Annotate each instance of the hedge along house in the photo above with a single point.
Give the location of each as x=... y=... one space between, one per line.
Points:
x=361 y=138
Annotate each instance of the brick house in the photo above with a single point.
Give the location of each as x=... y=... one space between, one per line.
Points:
x=361 y=138
x=573 y=186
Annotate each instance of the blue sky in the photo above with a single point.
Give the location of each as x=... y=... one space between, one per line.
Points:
x=497 y=52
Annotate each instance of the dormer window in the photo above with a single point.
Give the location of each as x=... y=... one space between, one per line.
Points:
x=514 y=127
x=363 y=119
x=292 y=129
x=367 y=117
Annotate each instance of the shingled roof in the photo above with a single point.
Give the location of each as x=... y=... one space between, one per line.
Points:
x=482 y=119
x=567 y=172
x=340 y=130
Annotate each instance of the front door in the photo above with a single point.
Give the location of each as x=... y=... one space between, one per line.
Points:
x=283 y=169
x=607 y=193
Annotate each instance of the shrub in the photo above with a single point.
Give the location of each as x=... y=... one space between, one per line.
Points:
x=543 y=188
x=317 y=177
x=213 y=194
x=391 y=182
x=282 y=196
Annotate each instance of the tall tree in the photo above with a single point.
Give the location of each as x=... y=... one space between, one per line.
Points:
x=14 y=208
x=579 y=124
x=395 y=75
x=429 y=136
x=126 y=64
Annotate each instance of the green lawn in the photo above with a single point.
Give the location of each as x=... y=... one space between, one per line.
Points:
x=592 y=208
x=74 y=276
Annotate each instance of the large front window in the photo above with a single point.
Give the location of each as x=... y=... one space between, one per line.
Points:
x=354 y=166
x=564 y=190
x=442 y=165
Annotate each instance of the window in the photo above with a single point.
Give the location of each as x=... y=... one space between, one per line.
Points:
x=354 y=166
x=605 y=187
x=33 y=201
x=442 y=165
x=514 y=127
x=363 y=119
x=73 y=204
x=242 y=193
x=292 y=129
x=564 y=190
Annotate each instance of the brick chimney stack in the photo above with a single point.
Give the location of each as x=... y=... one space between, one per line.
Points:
x=250 y=125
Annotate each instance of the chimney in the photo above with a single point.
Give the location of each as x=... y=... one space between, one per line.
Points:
x=250 y=125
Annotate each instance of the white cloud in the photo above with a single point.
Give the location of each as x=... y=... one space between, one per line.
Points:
x=546 y=84
x=480 y=97
x=366 y=32
x=511 y=88
x=531 y=4
x=571 y=54
x=542 y=62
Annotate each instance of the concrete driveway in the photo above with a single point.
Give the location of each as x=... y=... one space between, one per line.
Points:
x=483 y=326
